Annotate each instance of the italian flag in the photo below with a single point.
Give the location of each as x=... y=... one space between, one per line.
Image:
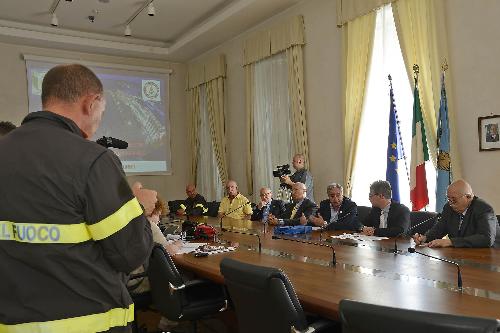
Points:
x=419 y=154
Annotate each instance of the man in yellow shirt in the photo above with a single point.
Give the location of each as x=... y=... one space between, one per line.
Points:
x=234 y=205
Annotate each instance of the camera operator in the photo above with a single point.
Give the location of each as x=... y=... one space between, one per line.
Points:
x=301 y=175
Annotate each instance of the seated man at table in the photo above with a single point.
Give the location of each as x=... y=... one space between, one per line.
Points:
x=467 y=220
x=234 y=204
x=267 y=205
x=297 y=212
x=337 y=212
x=194 y=205
x=387 y=218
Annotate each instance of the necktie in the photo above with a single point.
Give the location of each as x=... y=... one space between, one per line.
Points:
x=294 y=211
x=265 y=212
x=460 y=222
x=382 y=220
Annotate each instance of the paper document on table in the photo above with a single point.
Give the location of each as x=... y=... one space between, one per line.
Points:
x=359 y=237
x=189 y=247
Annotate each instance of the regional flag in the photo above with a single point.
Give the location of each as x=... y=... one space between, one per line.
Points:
x=394 y=149
x=419 y=154
x=443 y=159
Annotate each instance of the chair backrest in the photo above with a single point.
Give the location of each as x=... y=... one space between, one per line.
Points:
x=363 y=212
x=419 y=217
x=360 y=317
x=162 y=275
x=263 y=298
x=213 y=208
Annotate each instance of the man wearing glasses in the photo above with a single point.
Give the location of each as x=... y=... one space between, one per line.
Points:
x=387 y=218
x=467 y=220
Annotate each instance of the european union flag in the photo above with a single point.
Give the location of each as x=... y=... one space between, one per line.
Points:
x=443 y=159
x=394 y=149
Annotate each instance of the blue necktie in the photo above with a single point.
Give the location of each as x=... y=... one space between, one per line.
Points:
x=461 y=221
x=265 y=212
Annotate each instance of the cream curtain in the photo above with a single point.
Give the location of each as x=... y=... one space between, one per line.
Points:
x=216 y=114
x=358 y=43
x=286 y=37
x=193 y=130
x=422 y=36
x=348 y=10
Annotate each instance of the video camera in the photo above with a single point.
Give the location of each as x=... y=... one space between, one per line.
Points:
x=282 y=170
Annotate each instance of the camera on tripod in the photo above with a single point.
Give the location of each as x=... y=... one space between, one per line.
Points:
x=282 y=170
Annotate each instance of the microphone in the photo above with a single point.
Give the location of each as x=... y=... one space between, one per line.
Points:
x=249 y=234
x=231 y=211
x=107 y=141
x=407 y=232
x=334 y=258
x=323 y=228
x=459 y=274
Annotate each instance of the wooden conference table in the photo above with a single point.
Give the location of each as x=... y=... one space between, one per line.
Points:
x=366 y=271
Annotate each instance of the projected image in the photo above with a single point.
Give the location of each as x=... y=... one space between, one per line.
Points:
x=136 y=112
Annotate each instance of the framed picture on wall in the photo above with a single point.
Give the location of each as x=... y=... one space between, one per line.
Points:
x=488 y=130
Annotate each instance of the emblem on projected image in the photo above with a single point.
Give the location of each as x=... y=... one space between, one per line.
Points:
x=151 y=90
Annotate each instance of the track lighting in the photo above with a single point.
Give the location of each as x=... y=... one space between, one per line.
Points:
x=128 y=31
x=54 y=22
x=151 y=9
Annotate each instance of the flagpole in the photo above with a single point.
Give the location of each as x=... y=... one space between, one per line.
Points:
x=399 y=131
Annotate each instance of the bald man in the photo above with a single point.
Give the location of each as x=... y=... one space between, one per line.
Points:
x=297 y=212
x=267 y=206
x=194 y=205
x=467 y=220
x=301 y=175
x=235 y=205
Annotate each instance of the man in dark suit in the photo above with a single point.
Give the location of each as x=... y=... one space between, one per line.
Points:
x=267 y=205
x=298 y=211
x=467 y=220
x=337 y=212
x=387 y=218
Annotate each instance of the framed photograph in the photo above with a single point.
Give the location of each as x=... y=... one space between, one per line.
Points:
x=488 y=130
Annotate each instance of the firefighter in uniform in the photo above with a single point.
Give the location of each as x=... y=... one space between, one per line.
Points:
x=70 y=226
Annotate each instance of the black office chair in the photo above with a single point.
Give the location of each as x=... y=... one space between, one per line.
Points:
x=363 y=212
x=418 y=217
x=180 y=300
x=360 y=317
x=265 y=301
x=213 y=208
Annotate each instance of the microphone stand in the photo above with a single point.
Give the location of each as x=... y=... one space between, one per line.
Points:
x=459 y=274
x=334 y=258
x=249 y=234
x=323 y=228
x=437 y=217
x=231 y=211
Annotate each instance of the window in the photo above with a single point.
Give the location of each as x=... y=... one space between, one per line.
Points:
x=372 y=142
x=272 y=139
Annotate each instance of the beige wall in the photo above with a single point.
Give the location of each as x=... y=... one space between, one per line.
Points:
x=322 y=90
x=14 y=105
x=474 y=47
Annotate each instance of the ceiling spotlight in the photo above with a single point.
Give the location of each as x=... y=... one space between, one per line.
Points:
x=54 y=22
x=151 y=9
x=128 y=31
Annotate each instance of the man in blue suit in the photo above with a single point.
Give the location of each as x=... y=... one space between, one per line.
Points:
x=267 y=206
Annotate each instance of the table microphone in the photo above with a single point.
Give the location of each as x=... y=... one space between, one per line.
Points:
x=459 y=274
x=323 y=228
x=334 y=258
x=407 y=232
x=231 y=211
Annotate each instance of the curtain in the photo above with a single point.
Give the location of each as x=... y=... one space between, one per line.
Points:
x=422 y=34
x=249 y=106
x=358 y=36
x=272 y=132
x=208 y=179
x=297 y=102
x=193 y=133
x=348 y=10
x=215 y=107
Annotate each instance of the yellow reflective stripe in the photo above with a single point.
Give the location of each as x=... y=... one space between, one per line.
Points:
x=202 y=207
x=44 y=233
x=182 y=206
x=97 y=322
x=116 y=221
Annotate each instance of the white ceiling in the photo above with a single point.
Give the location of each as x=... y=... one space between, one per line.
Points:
x=180 y=30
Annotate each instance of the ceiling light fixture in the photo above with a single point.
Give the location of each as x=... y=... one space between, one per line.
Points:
x=151 y=12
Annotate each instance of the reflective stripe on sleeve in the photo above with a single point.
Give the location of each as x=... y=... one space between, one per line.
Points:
x=44 y=233
x=182 y=207
x=96 y=322
x=202 y=207
x=116 y=221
